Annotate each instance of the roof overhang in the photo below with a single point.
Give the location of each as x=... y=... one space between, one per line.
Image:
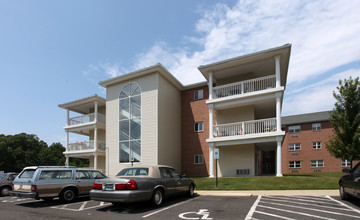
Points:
x=84 y=105
x=158 y=68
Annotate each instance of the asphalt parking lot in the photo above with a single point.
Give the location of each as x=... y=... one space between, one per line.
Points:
x=198 y=207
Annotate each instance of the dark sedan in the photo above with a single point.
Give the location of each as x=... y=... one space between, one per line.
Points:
x=349 y=184
x=142 y=183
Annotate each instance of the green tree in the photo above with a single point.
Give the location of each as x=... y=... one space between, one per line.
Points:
x=53 y=155
x=345 y=119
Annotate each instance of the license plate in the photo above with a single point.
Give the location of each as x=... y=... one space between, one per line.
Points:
x=109 y=187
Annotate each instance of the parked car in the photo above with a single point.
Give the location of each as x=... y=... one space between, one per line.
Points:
x=349 y=184
x=142 y=183
x=44 y=182
x=6 y=180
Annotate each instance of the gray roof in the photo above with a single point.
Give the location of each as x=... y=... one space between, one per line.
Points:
x=305 y=118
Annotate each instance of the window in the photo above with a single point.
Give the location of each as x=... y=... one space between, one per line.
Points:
x=294 y=129
x=97 y=175
x=198 y=126
x=55 y=174
x=82 y=175
x=130 y=124
x=316 y=145
x=198 y=94
x=317 y=163
x=293 y=147
x=345 y=163
x=138 y=171
x=294 y=164
x=316 y=127
x=166 y=172
x=199 y=159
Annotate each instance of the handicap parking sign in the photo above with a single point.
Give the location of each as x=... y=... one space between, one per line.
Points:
x=216 y=153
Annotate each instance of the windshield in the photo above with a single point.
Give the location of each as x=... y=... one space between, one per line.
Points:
x=134 y=172
x=2 y=175
x=98 y=175
x=27 y=173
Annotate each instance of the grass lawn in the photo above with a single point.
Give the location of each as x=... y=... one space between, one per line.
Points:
x=287 y=182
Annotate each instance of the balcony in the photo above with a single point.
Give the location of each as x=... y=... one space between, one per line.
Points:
x=246 y=86
x=85 y=119
x=262 y=126
x=85 y=146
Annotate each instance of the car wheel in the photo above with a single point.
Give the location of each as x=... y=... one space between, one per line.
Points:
x=157 y=197
x=343 y=194
x=5 y=191
x=68 y=195
x=190 y=192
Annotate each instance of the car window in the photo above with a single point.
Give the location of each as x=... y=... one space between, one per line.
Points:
x=55 y=174
x=2 y=175
x=11 y=177
x=138 y=171
x=164 y=172
x=82 y=175
x=174 y=173
x=98 y=175
x=27 y=173
x=357 y=170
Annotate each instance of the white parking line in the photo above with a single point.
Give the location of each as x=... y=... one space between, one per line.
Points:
x=253 y=208
x=317 y=210
x=273 y=215
x=166 y=208
x=299 y=213
x=304 y=200
x=343 y=204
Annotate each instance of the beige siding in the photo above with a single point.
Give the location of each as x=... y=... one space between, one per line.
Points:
x=149 y=132
x=245 y=113
x=236 y=157
x=169 y=124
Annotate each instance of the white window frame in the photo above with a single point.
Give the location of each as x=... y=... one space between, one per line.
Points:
x=316 y=126
x=198 y=94
x=198 y=159
x=317 y=163
x=295 y=164
x=198 y=128
x=345 y=163
x=317 y=145
x=294 y=129
x=295 y=146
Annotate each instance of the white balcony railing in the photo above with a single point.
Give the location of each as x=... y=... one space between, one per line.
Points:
x=251 y=85
x=85 y=145
x=245 y=128
x=83 y=119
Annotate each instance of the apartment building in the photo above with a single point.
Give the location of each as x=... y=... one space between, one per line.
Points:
x=151 y=118
x=303 y=149
x=85 y=130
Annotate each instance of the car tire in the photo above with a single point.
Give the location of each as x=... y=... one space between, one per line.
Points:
x=190 y=192
x=343 y=194
x=157 y=197
x=5 y=191
x=68 y=195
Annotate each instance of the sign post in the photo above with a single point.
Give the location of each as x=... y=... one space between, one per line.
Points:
x=216 y=157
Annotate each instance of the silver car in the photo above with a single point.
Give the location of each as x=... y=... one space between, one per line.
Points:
x=142 y=183
x=6 y=180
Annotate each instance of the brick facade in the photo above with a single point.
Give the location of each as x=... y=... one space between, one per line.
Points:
x=306 y=137
x=194 y=143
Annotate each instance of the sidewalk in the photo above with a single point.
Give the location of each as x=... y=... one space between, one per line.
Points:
x=267 y=192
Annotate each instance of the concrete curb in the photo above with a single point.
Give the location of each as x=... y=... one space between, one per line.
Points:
x=268 y=192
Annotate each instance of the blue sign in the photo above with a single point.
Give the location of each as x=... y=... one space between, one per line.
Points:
x=216 y=153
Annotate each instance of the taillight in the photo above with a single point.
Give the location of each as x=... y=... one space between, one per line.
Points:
x=33 y=188
x=131 y=184
x=97 y=186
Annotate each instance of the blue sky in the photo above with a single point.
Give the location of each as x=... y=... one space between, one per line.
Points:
x=53 y=52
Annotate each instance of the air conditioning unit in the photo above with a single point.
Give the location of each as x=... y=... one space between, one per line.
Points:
x=242 y=171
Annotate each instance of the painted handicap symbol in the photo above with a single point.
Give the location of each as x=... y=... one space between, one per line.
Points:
x=202 y=214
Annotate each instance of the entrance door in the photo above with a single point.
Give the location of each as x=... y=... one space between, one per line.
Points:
x=268 y=164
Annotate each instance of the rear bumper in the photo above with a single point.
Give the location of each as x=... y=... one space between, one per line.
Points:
x=21 y=194
x=125 y=196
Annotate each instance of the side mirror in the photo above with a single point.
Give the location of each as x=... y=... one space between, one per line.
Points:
x=183 y=175
x=346 y=170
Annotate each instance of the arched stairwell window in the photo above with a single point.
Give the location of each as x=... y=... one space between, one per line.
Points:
x=130 y=123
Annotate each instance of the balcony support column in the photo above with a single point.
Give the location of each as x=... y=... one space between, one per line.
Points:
x=67 y=160
x=95 y=161
x=210 y=85
x=67 y=140
x=211 y=160
x=95 y=138
x=211 y=121
x=277 y=70
x=278 y=157
x=278 y=111
x=96 y=111
x=67 y=117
